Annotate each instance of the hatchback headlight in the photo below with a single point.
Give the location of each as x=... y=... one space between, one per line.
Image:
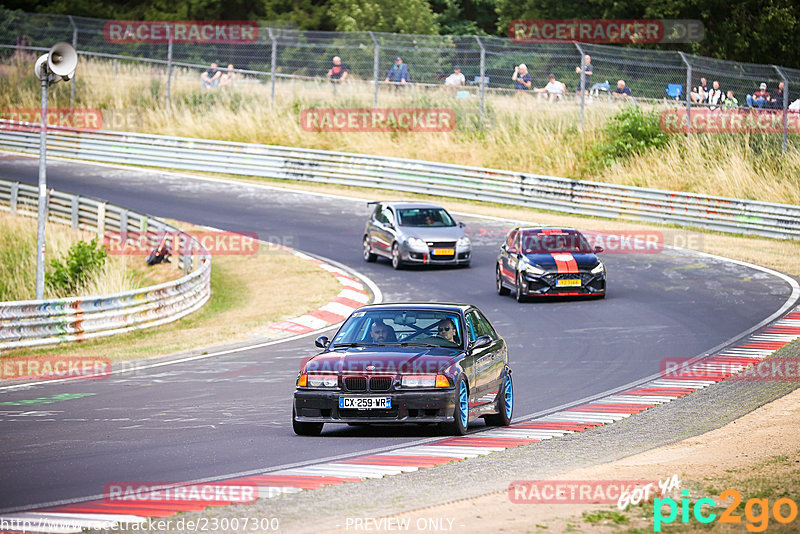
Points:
x=533 y=269
x=323 y=381
x=463 y=242
x=599 y=269
x=417 y=243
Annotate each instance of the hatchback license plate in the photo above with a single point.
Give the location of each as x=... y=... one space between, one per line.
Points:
x=365 y=403
x=570 y=282
x=443 y=252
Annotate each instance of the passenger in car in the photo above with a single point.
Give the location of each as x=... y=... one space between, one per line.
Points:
x=381 y=332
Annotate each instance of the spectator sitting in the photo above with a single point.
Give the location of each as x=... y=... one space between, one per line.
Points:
x=398 y=73
x=210 y=78
x=555 y=90
x=587 y=70
x=699 y=94
x=777 y=98
x=759 y=98
x=456 y=79
x=622 y=91
x=522 y=78
x=226 y=80
x=338 y=71
x=715 y=95
x=730 y=102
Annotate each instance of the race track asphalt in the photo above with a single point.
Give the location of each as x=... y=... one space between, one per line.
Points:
x=231 y=414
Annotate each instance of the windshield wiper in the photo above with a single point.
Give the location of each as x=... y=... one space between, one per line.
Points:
x=355 y=344
x=407 y=344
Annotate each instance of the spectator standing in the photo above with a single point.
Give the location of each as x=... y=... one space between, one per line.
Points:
x=210 y=78
x=455 y=80
x=555 y=90
x=622 y=91
x=715 y=95
x=398 y=73
x=730 y=102
x=699 y=94
x=226 y=80
x=588 y=71
x=338 y=71
x=759 y=98
x=522 y=79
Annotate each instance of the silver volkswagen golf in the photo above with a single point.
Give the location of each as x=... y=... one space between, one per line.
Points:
x=415 y=233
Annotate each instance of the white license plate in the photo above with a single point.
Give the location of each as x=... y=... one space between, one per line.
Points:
x=365 y=403
x=571 y=282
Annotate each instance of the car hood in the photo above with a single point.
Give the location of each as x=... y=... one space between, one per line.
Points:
x=563 y=261
x=441 y=233
x=389 y=359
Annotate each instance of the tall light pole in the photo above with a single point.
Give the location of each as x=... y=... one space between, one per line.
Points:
x=58 y=64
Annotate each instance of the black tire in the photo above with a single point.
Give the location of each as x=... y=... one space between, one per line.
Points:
x=397 y=263
x=459 y=427
x=305 y=429
x=501 y=289
x=518 y=294
x=368 y=255
x=505 y=404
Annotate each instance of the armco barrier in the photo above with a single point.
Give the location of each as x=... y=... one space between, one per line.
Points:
x=44 y=322
x=505 y=187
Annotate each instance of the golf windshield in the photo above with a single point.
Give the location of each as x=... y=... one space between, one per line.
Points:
x=546 y=243
x=401 y=327
x=421 y=217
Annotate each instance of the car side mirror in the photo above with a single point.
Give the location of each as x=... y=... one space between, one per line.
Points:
x=461 y=225
x=322 y=342
x=598 y=250
x=389 y=225
x=483 y=341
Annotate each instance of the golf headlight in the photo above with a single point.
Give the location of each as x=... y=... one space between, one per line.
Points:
x=463 y=242
x=417 y=243
x=599 y=269
x=323 y=381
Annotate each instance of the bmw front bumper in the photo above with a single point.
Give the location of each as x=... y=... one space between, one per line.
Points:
x=428 y=406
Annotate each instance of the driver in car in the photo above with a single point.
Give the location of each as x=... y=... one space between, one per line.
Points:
x=447 y=330
x=381 y=332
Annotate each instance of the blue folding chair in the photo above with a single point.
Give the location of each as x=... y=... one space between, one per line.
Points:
x=674 y=90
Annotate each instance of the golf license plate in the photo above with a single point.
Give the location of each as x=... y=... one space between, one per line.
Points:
x=569 y=282
x=365 y=403
x=443 y=251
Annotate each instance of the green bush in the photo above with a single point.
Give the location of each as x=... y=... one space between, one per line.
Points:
x=629 y=132
x=83 y=259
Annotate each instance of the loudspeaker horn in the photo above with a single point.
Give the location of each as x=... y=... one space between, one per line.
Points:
x=62 y=60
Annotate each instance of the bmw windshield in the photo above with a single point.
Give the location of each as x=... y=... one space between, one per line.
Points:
x=402 y=328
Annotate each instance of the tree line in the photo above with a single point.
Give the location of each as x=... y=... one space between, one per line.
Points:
x=755 y=31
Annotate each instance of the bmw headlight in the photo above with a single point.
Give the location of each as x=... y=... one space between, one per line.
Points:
x=463 y=242
x=599 y=269
x=417 y=243
x=323 y=381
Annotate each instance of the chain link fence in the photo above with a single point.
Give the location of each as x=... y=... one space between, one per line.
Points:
x=281 y=56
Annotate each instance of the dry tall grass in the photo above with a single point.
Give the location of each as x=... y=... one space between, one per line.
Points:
x=18 y=262
x=520 y=133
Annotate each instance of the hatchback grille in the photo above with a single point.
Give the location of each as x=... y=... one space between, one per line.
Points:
x=380 y=383
x=355 y=383
x=441 y=244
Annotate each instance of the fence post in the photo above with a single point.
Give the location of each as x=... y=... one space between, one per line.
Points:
x=273 y=63
x=582 y=89
x=169 y=64
x=483 y=75
x=14 y=196
x=74 y=211
x=375 y=66
x=688 y=92
x=785 y=107
x=75 y=46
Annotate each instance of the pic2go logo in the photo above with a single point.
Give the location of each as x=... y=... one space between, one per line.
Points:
x=756 y=511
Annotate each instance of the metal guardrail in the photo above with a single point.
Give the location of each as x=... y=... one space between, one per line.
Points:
x=44 y=322
x=505 y=187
